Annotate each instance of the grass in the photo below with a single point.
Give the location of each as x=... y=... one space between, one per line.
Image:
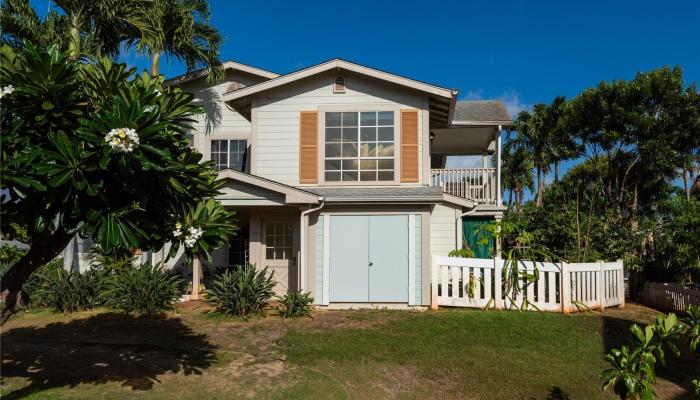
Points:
x=334 y=355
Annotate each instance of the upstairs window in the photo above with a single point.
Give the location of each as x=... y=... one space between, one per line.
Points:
x=359 y=146
x=229 y=154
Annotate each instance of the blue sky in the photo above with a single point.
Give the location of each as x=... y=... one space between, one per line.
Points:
x=520 y=51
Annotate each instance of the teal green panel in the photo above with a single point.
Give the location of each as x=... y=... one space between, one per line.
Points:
x=471 y=238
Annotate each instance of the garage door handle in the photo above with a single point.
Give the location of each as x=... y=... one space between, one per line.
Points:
x=371 y=263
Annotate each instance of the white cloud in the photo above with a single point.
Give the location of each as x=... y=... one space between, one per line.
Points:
x=511 y=100
x=477 y=94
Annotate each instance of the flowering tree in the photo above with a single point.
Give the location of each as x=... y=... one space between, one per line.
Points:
x=92 y=149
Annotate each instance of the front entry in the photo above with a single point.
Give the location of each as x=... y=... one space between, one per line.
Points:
x=368 y=258
x=280 y=249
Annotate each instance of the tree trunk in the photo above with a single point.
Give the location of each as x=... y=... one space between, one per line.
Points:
x=155 y=63
x=43 y=249
x=686 y=186
x=74 y=45
x=540 y=187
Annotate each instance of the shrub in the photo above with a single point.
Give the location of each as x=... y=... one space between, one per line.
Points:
x=64 y=291
x=241 y=291
x=463 y=253
x=144 y=289
x=296 y=304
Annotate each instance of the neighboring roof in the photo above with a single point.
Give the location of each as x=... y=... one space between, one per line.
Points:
x=475 y=112
x=341 y=64
x=292 y=194
x=227 y=65
x=379 y=194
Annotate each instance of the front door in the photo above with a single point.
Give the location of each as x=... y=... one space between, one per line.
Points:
x=280 y=252
x=368 y=258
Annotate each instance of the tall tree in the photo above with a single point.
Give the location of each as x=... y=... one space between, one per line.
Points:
x=182 y=31
x=517 y=171
x=533 y=135
x=21 y=22
x=91 y=149
x=562 y=145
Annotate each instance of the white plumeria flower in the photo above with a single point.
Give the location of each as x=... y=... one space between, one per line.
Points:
x=7 y=90
x=122 y=140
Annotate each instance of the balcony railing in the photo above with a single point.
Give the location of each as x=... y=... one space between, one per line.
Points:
x=477 y=184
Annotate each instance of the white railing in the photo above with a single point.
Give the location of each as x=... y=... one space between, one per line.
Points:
x=478 y=283
x=470 y=183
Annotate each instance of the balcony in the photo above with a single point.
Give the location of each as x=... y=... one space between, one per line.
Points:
x=478 y=184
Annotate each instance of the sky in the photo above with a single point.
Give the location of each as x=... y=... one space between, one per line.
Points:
x=522 y=51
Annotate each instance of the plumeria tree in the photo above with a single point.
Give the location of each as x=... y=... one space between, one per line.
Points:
x=95 y=150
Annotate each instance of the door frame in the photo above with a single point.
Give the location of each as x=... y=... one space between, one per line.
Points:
x=412 y=215
x=292 y=263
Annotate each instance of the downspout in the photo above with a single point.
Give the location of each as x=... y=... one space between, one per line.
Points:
x=301 y=271
x=459 y=226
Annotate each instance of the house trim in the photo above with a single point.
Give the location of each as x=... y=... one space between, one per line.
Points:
x=291 y=194
x=340 y=64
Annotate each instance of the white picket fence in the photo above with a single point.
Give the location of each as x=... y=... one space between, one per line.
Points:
x=563 y=287
x=669 y=296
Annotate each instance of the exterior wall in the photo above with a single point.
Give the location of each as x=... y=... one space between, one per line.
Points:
x=219 y=121
x=276 y=117
x=443 y=228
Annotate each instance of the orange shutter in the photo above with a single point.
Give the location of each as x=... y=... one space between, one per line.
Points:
x=409 y=146
x=308 y=151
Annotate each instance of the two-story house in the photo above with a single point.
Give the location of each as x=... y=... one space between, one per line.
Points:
x=337 y=176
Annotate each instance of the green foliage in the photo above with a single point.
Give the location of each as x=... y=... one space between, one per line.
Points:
x=64 y=291
x=9 y=255
x=146 y=289
x=632 y=374
x=464 y=252
x=55 y=157
x=118 y=260
x=296 y=304
x=241 y=291
x=204 y=228
x=692 y=320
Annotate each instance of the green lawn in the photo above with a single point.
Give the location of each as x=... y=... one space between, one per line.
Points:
x=335 y=355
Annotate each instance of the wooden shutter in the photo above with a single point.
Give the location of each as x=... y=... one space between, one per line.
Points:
x=409 y=146
x=308 y=151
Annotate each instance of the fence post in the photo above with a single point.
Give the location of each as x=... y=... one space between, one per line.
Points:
x=601 y=285
x=621 y=284
x=434 y=285
x=497 y=282
x=565 y=282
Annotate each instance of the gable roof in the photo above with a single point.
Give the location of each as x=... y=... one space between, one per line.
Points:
x=475 y=112
x=292 y=194
x=338 y=63
x=227 y=65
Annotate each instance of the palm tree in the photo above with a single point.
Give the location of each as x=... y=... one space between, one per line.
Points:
x=183 y=32
x=562 y=145
x=21 y=22
x=92 y=28
x=533 y=135
x=517 y=171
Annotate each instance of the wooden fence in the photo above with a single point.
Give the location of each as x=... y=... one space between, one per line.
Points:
x=563 y=287
x=669 y=296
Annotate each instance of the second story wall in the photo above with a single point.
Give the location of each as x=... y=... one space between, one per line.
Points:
x=276 y=127
x=219 y=122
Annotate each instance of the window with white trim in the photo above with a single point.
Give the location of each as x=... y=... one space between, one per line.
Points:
x=229 y=153
x=278 y=241
x=359 y=146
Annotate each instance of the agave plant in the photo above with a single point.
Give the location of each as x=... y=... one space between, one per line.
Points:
x=145 y=289
x=295 y=304
x=241 y=291
x=65 y=291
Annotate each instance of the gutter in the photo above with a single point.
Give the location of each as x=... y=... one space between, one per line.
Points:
x=302 y=270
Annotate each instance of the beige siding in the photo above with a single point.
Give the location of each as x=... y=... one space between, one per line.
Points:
x=277 y=116
x=443 y=229
x=218 y=119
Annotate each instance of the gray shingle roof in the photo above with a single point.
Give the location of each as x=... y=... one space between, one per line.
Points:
x=480 y=111
x=421 y=193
